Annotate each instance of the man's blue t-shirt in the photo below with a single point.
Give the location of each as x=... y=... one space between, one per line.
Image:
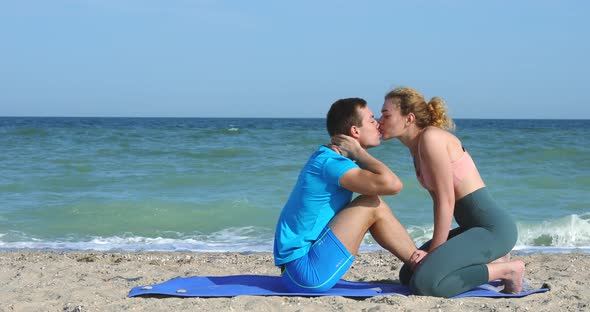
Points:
x=315 y=199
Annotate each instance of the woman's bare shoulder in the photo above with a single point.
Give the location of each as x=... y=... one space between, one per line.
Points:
x=435 y=135
x=434 y=138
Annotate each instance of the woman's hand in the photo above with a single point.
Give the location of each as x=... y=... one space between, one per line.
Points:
x=335 y=148
x=347 y=146
x=416 y=258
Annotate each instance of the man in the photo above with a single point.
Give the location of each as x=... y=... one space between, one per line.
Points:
x=320 y=229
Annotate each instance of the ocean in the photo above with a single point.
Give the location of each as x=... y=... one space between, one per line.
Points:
x=219 y=184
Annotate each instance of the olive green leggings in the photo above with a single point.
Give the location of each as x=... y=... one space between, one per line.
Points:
x=485 y=233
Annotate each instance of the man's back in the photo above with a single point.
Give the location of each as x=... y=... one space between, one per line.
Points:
x=315 y=199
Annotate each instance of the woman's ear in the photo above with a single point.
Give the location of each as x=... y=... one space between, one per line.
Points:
x=410 y=118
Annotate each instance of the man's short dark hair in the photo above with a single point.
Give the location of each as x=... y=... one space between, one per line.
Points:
x=344 y=114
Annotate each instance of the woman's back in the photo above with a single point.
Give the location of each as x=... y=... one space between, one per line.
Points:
x=465 y=176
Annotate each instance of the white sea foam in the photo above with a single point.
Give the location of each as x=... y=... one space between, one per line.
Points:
x=138 y=243
x=566 y=234
x=247 y=239
x=572 y=231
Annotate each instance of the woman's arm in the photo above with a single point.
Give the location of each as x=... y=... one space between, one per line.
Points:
x=373 y=177
x=436 y=161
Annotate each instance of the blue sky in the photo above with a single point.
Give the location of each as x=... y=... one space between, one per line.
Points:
x=169 y=58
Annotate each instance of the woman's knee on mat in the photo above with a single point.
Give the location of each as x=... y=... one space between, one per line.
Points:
x=405 y=274
x=424 y=285
x=426 y=278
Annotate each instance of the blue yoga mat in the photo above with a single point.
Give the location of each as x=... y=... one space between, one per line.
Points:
x=263 y=285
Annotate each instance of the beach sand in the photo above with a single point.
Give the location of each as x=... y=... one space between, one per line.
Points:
x=97 y=281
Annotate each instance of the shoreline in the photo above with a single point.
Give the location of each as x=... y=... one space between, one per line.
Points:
x=518 y=250
x=100 y=281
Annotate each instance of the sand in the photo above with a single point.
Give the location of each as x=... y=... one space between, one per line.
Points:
x=97 y=281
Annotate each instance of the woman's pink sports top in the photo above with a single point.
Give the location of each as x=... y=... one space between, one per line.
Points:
x=461 y=167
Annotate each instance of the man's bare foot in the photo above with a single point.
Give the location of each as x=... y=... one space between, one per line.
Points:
x=505 y=258
x=513 y=284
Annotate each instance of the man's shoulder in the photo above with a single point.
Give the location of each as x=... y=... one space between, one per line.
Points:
x=327 y=155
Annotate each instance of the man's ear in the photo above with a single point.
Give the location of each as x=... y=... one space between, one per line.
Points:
x=354 y=132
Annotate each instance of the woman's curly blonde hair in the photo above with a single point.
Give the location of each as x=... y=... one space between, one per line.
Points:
x=433 y=113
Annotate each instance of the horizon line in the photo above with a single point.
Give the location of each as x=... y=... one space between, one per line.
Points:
x=196 y=117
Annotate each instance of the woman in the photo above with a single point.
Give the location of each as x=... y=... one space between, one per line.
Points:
x=457 y=260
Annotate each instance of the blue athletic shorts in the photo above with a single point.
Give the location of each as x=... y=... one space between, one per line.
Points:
x=320 y=269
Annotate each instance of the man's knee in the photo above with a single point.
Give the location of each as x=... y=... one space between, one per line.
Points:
x=379 y=207
x=367 y=201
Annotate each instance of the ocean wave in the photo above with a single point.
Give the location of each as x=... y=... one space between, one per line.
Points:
x=566 y=234
x=246 y=239
x=570 y=232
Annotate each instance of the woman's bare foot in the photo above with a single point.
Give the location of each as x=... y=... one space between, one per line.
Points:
x=513 y=278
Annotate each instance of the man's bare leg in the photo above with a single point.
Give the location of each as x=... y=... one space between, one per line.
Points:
x=505 y=258
x=370 y=213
